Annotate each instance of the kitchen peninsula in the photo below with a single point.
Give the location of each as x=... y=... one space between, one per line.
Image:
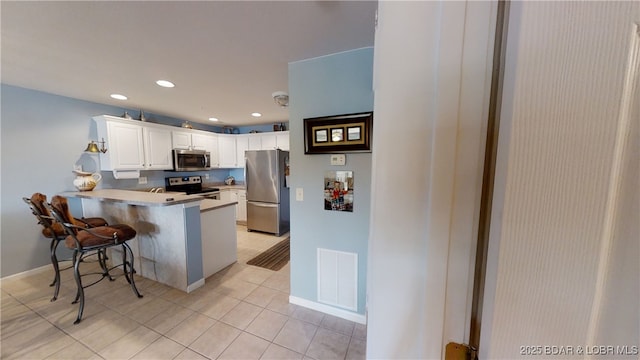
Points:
x=181 y=239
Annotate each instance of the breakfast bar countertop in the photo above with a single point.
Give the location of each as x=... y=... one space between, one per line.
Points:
x=131 y=197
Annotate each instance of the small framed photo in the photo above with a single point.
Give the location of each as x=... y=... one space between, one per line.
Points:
x=354 y=133
x=338 y=133
x=321 y=135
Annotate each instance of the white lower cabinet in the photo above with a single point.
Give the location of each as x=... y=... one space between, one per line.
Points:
x=241 y=210
x=239 y=195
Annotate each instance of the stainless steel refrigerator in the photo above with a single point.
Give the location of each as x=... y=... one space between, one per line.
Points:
x=266 y=174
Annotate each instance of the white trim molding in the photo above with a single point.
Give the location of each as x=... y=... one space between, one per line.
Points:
x=347 y=315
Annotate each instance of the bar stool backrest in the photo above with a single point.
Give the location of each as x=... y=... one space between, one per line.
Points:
x=63 y=213
x=50 y=227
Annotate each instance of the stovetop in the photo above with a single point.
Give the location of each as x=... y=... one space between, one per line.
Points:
x=189 y=184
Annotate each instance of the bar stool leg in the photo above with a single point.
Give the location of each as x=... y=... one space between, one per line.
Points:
x=128 y=274
x=56 y=269
x=80 y=293
x=102 y=259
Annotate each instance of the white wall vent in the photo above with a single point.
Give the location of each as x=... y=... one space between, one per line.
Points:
x=338 y=278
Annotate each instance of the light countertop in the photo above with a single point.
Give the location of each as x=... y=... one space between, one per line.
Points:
x=130 y=197
x=142 y=198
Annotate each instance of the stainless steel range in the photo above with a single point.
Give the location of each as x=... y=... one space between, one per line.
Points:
x=192 y=185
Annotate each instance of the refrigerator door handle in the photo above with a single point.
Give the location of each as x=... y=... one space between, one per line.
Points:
x=266 y=205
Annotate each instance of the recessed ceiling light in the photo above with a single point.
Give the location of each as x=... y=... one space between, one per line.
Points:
x=256 y=114
x=118 y=97
x=213 y=119
x=165 y=83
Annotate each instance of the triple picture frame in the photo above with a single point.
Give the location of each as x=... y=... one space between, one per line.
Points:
x=338 y=133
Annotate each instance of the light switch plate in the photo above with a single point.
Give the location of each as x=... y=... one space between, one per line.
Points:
x=142 y=180
x=338 y=159
x=299 y=194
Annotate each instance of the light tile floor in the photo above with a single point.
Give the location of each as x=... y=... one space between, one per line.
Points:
x=242 y=312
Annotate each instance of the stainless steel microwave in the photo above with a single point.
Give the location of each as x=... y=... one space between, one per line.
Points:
x=191 y=160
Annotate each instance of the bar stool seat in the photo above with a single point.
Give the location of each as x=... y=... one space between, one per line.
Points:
x=82 y=240
x=55 y=232
x=101 y=236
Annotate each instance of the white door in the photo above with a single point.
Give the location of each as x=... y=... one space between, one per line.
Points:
x=432 y=72
x=563 y=254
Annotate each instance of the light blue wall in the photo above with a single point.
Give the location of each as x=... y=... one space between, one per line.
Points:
x=42 y=137
x=329 y=85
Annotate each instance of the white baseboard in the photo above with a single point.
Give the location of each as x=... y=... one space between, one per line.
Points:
x=344 y=314
x=195 y=285
x=38 y=270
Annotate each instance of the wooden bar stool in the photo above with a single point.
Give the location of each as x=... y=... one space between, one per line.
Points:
x=55 y=232
x=83 y=240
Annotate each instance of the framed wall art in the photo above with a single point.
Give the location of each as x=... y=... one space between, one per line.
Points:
x=338 y=190
x=338 y=133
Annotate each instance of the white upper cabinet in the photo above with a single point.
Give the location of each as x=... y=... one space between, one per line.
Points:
x=275 y=140
x=269 y=141
x=242 y=145
x=181 y=139
x=135 y=145
x=197 y=140
x=246 y=142
x=157 y=148
x=255 y=141
x=282 y=140
x=124 y=143
x=227 y=151
x=131 y=146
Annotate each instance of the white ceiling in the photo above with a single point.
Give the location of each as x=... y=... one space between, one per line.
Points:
x=225 y=57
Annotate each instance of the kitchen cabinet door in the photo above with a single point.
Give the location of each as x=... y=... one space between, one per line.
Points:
x=241 y=209
x=242 y=145
x=269 y=141
x=240 y=196
x=227 y=151
x=125 y=147
x=254 y=141
x=181 y=140
x=157 y=147
x=215 y=151
x=282 y=140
